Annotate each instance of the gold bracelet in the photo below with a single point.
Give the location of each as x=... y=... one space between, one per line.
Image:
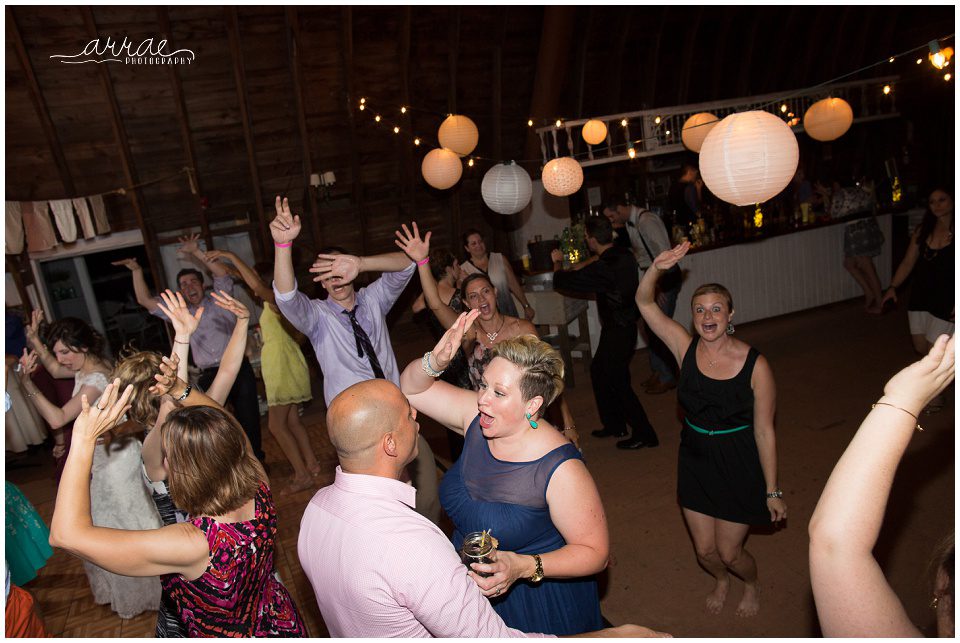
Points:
x=876 y=404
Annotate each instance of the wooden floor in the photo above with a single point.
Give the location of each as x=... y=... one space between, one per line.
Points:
x=830 y=363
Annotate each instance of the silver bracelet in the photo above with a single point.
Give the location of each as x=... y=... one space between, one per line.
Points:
x=425 y=365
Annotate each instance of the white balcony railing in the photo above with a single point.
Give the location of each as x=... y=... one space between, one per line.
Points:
x=657 y=131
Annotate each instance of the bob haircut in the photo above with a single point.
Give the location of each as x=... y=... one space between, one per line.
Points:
x=138 y=369
x=440 y=260
x=212 y=470
x=77 y=335
x=541 y=364
x=472 y=278
x=713 y=289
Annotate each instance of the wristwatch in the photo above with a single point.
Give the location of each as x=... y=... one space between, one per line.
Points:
x=538 y=573
x=775 y=494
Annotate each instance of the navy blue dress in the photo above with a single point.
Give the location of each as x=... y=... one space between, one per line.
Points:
x=510 y=498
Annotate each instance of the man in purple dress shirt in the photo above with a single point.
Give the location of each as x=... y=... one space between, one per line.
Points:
x=212 y=335
x=377 y=568
x=331 y=324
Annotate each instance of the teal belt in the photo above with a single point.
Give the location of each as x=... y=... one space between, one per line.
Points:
x=720 y=432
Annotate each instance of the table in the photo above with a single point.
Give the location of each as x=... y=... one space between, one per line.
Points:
x=553 y=309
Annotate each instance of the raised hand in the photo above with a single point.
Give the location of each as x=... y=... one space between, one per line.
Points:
x=286 y=226
x=228 y=303
x=28 y=363
x=556 y=256
x=916 y=385
x=167 y=380
x=175 y=308
x=189 y=244
x=130 y=263
x=669 y=258
x=447 y=347
x=32 y=329
x=339 y=268
x=218 y=255
x=412 y=245
x=96 y=420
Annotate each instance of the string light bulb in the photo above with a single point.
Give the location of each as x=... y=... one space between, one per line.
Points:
x=623 y=122
x=377 y=118
x=396 y=130
x=947 y=77
x=416 y=141
x=403 y=110
x=891 y=59
x=886 y=90
x=363 y=100
x=657 y=120
x=667 y=132
x=939 y=57
x=470 y=163
x=631 y=152
x=783 y=108
x=919 y=60
x=530 y=122
x=362 y=107
x=559 y=123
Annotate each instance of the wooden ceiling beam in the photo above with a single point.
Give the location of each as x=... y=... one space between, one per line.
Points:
x=292 y=18
x=453 y=57
x=655 y=57
x=40 y=105
x=617 y=68
x=186 y=136
x=720 y=55
x=408 y=188
x=129 y=169
x=686 y=61
x=232 y=18
x=346 y=72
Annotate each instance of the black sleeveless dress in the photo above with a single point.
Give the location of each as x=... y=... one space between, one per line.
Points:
x=719 y=471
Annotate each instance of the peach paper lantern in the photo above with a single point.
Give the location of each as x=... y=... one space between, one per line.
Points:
x=748 y=157
x=458 y=133
x=562 y=176
x=696 y=128
x=441 y=168
x=594 y=132
x=828 y=119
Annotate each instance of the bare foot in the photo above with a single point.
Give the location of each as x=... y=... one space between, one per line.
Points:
x=750 y=603
x=718 y=596
x=874 y=309
x=298 y=484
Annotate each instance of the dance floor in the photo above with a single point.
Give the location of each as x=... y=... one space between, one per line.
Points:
x=829 y=363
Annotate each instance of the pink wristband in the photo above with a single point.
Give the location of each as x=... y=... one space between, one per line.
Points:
x=423 y=261
x=283 y=245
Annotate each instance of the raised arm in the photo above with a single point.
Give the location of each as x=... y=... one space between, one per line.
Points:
x=904 y=269
x=764 y=410
x=232 y=358
x=449 y=405
x=514 y=285
x=190 y=247
x=851 y=594
x=184 y=325
x=248 y=274
x=177 y=549
x=413 y=246
x=284 y=228
x=56 y=416
x=346 y=267
x=671 y=332
x=32 y=332
x=140 y=289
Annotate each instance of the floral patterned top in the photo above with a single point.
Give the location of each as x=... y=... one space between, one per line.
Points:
x=238 y=594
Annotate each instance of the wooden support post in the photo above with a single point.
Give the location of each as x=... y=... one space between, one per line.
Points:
x=232 y=19
x=40 y=105
x=190 y=156
x=408 y=188
x=293 y=43
x=350 y=104
x=453 y=55
x=129 y=170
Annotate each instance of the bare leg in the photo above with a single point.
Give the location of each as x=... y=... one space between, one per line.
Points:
x=730 y=538
x=853 y=267
x=277 y=422
x=703 y=531
x=303 y=440
x=874 y=292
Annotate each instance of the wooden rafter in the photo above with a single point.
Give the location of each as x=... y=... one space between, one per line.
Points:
x=346 y=69
x=126 y=158
x=405 y=151
x=746 y=67
x=618 y=55
x=232 y=18
x=40 y=105
x=183 y=119
x=453 y=56
x=655 y=57
x=690 y=41
x=720 y=54
x=294 y=42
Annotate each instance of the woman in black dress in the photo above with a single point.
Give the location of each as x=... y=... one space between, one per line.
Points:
x=727 y=473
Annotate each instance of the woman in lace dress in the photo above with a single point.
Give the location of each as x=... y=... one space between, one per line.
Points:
x=119 y=499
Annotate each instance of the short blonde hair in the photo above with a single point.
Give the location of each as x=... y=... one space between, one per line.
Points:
x=138 y=369
x=713 y=289
x=212 y=470
x=541 y=364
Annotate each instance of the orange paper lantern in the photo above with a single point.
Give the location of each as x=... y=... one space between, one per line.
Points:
x=695 y=130
x=828 y=119
x=441 y=168
x=459 y=134
x=594 y=132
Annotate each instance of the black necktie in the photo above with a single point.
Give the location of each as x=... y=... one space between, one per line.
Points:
x=364 y=343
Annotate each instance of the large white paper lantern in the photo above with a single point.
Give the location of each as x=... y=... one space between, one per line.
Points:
x=828 y=119
x=506 y=188
x=441 y=168
x=696 y=128
x=748 y=157
x=562 y=176
x=458 y=133
x=594 y=132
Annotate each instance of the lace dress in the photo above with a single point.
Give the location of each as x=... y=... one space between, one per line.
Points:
x=119 y=500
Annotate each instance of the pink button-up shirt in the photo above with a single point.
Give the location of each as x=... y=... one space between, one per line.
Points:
x=380 y=569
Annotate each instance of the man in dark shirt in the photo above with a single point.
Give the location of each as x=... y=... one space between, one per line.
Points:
x=683 y=200
x=613 y=277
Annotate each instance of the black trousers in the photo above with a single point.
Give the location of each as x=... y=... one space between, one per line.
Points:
x=243 y=397
x=617 y=404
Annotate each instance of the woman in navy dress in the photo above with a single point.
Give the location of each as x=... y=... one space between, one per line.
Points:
x=522 y=480
x=727 y=469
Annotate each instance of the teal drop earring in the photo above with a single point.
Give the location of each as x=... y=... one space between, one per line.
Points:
x=533 y=423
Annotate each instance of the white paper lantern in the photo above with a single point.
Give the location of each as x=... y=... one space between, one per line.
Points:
x=696 y=128
x=748 y=157
x=594 y=132
x=441 y=168
x=506 y=188
x=828 y=119
x=458 y=133
x=562 y=176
